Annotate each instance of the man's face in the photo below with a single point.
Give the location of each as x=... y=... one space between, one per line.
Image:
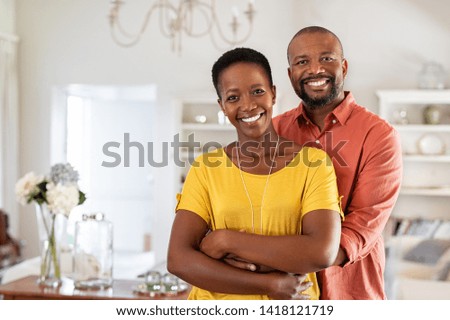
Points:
x=317 y=69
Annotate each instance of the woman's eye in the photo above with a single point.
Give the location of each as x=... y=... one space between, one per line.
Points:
x=232 y=98
x=258 y=92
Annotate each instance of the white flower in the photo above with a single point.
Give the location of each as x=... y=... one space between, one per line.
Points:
x=63 y=173
x=62 y=198
x=27 y=187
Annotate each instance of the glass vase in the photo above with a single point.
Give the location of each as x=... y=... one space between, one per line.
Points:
x=49 y=236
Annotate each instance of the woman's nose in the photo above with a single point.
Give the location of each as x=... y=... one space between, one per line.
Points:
x=247 y=103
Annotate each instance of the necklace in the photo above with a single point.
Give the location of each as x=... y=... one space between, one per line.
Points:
x=272 y=161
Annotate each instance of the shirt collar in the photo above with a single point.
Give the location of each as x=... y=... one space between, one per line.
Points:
x=341 y=112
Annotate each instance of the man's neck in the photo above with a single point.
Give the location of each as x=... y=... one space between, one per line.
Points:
x=318 y=115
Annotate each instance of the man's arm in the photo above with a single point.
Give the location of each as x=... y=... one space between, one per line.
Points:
x=373 y=197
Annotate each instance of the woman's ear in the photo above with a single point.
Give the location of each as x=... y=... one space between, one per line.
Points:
x=221 y=107
x=274 y=93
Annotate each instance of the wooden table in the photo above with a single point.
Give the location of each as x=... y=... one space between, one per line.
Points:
x=28 y=289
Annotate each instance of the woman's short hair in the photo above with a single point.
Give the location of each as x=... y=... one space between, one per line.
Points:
x=239 y=55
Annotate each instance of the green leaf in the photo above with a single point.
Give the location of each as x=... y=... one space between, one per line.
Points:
x=81 y=198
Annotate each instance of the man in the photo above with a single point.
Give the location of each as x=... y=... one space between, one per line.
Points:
x=366 y=153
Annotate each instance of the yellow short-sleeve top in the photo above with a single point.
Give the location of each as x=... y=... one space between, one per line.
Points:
x=214 y=190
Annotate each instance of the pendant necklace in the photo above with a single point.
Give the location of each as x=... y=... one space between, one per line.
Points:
x=272 y=161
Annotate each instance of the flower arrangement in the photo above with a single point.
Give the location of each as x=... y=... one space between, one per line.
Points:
x=59 y=190
x=54 y=194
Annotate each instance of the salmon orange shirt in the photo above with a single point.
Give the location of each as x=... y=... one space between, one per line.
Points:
x=366 y=154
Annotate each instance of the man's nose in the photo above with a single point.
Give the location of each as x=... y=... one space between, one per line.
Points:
x=316 y=67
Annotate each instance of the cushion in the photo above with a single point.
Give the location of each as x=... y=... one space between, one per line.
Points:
x=428 y=251
x=443 y=273
x=443 y=231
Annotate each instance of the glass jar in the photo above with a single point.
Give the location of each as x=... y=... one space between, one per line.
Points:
x=432 y=76
x=153 y=281
x=93 y=252
x=432 y=114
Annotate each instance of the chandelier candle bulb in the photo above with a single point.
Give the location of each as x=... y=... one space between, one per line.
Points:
x=235 y=12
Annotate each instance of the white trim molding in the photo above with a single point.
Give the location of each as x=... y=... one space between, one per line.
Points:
x=9 y=37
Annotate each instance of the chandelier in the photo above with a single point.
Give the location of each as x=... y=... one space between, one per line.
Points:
x=194 y=18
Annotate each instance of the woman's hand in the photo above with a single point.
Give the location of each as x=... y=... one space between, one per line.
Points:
x=214 y=244
x=285 y=286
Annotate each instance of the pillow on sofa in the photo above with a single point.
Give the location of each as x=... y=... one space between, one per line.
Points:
x=443 y=231
x=428 y=251
x=443 y=273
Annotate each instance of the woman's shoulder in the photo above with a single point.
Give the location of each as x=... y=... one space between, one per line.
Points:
x=213 y=158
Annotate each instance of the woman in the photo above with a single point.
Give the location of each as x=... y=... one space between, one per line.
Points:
x=261 y=201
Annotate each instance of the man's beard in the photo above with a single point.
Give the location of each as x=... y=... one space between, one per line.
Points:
x=316 y=103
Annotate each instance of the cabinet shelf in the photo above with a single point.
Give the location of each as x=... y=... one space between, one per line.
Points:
x=426 y=158
x=426 y=178
x=200 y=137
x=423 y=128
x=414 y=96
x=424 y=191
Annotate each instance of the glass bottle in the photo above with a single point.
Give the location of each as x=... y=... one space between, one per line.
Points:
x=93 y=252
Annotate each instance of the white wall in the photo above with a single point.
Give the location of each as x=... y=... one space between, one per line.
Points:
x=7 y=16
x=7 y=32
x=64 y=42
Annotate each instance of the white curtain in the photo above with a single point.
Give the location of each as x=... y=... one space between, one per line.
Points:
x=9 y=128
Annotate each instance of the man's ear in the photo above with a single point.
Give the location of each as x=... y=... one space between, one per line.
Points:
x=344 y=67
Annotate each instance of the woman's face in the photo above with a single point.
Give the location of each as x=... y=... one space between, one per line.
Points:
x=247 y=99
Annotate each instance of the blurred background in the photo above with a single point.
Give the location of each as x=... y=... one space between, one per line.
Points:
x=77 y=89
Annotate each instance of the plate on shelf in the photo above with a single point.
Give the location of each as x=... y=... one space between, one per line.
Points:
x=430 y=144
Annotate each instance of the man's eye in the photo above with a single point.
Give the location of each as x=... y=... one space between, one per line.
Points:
x=327 y=59
x=302 y=62
x=232 y=98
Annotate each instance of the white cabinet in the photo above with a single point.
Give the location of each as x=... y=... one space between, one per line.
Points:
x=426 y=150
x=422 y=209
x=202 y=128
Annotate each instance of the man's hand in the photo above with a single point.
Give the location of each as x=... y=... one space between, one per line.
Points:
x=240 y=263
x=301 y=286
x=289 y=287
